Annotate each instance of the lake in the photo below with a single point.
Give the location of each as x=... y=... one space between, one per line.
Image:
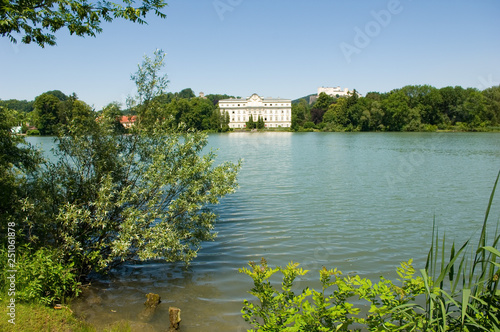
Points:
x=360 y=202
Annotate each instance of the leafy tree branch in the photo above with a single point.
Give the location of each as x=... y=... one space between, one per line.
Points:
x=37 y=20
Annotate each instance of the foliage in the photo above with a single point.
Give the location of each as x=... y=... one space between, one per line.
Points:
x=37 y=20
x=17 y=105
x=42 y=276
x=260 y=123
x=110 y=197
x=332 y=308
x=17 y=160
x=251 y=124
x=47 y=109
x=459 y=294
x=112 y=114
x=214 y=98
x=53 y=110
x=149 y=82
x=309 y=125
x=33 y=132
x=59 y=94
x=187 y=93
x=410 y=108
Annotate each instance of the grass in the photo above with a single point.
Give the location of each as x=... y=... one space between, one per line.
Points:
x=39 y=318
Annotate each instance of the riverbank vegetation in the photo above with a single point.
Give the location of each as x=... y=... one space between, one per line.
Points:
x=53 y=110
x=33 y=317
x=105 y=197
x=410 y=108
x=455 y=291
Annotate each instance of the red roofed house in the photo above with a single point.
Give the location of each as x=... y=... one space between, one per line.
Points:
x=128 y=121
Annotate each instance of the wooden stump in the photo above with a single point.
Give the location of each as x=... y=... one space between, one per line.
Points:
x=152 y=302
x=175 y=318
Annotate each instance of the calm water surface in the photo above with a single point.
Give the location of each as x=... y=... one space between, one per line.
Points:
x=361 y=202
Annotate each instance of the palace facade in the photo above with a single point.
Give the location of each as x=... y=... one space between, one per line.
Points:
x=275 y=112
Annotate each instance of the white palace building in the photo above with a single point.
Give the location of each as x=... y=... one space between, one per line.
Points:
x=275 y=112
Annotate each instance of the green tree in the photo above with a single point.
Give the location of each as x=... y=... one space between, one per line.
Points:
x=492 y=101
x=216 y=120
x=337 y=113
x=111 y=197
x=474 y=109
x=18 y=105
x=178 y=110
x=260 y=123
x=59 y=94
x=320 y=107
x=186 y=93
x=36 y=20
x=376 y=116
x=214 y=98
x=226 y=121
x=219 y=121
x=17 y=160
x=452 y=99
x=250 y=124
x=396 y=110
x=323 y=102
x=112 y=114
x=47 y=113
x=81 y=115
x=317 y=115
x=198 y=117
x=150 y=84
x=302 y=112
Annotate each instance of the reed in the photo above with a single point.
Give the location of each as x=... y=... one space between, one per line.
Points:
x=461 y=286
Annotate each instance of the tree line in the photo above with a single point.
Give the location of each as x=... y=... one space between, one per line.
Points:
x=411 y=108
x=51 y=110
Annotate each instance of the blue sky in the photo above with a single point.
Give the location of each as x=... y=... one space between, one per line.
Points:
x=275 y=48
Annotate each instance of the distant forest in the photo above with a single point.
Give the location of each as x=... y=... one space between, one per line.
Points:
x=51 y=109
x=411 y=108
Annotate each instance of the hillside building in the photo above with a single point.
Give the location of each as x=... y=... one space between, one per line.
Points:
x=335 y=92
x=275 y=112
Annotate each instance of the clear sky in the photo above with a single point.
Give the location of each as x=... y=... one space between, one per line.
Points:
x=275 y=48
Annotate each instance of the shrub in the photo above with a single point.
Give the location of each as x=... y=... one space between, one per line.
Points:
x=41 y=276
x=309 y=125
x=33 y=132
x=332 y=308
